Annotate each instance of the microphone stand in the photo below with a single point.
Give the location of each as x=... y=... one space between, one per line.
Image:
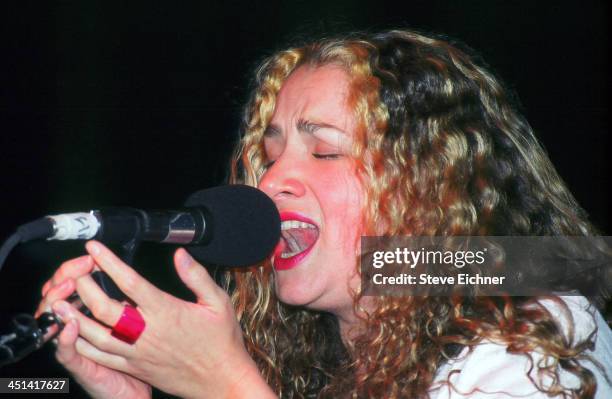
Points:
x=29 y=334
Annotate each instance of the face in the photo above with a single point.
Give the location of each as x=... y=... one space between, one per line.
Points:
x=313 y=182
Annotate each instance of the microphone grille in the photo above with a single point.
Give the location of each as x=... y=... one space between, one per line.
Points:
x=244 y=225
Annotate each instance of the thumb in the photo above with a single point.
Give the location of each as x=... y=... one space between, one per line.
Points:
x=196 y=278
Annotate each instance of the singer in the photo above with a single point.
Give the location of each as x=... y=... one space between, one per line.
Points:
x=373 y=134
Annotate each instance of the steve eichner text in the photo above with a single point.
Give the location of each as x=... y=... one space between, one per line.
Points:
x=422 y=256
x=426 y=279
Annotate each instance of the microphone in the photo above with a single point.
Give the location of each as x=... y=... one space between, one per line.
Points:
x=234 y=225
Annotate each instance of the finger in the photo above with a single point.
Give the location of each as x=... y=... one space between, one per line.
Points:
x=73 y=268
x=131 y=283
x=109 y=360
x=196 y=278
x=92 y=331
x=102 y=307
x=66 y=352
x=46 y=287
x=79 y=357
x=62 y=291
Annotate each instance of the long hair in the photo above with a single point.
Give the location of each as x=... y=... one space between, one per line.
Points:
x=448 y=154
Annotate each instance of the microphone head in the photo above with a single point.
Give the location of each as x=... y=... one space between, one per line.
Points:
x=244 y=225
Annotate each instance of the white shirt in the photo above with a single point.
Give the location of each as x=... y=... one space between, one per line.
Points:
x=489 y=371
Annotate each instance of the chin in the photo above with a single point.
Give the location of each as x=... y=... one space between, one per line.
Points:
x=295 y=294
x=311 y=298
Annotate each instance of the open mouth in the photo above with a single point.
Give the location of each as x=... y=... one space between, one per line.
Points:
x=297 y=238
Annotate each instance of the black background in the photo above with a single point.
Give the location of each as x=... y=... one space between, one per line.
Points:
x=139 y=104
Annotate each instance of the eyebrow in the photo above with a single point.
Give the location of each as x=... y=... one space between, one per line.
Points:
x=303 y=126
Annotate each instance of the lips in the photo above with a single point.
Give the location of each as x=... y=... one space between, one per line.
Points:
x=298 y=236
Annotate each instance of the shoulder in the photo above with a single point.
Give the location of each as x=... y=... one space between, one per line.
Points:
x=490 y=371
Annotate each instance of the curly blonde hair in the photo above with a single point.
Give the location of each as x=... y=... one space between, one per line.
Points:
x=448 y=155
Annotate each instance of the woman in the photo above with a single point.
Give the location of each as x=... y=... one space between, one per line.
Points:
x=389 y=134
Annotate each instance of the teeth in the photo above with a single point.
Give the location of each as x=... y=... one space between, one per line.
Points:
x=289 y=255
x=295 y=224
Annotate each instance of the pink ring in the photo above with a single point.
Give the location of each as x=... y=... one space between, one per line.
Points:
x=130 y=325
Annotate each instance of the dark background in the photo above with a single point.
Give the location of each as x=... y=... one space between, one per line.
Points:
x=140 y=104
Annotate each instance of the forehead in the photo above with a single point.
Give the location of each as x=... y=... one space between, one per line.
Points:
x=317 y=94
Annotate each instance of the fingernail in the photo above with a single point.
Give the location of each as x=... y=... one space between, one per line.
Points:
x=93 y=247
x=64 y=284
x=185 y=259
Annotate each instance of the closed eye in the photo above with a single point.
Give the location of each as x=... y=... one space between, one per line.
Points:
x=326 y=156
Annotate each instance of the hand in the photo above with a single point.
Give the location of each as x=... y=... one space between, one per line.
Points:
x=186 y=349
x=97 y=380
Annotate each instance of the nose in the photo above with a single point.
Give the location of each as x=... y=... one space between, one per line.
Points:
x=282 y=180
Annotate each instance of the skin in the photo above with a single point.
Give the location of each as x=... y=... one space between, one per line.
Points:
x=312 y=174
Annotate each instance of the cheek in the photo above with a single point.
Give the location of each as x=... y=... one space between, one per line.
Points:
x=341 y=202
